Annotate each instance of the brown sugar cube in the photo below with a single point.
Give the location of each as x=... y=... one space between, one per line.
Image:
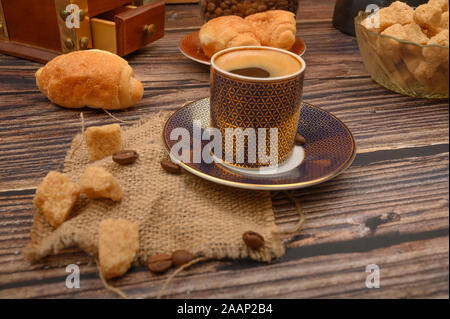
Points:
x=404 y=13
x=389 y=48
x=97 y=182
x=438 y=83
x=103 y=141
x=55 y=197
x=381 y=20
x=403 y=77
x=441 y=4
x=424 y=71
x=437 y=55
x=444 y=21
x=415 y=34
x=444 y=68
x=118 y=244
x=411 y=62
x=428 y=17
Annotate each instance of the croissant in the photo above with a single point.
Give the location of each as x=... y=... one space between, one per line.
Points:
x=93 y=78
x=226 y=32
x=274 y=28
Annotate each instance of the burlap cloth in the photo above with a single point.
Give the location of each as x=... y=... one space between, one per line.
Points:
x=172 y=211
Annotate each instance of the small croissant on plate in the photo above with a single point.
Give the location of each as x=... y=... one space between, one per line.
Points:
x=93 y=78
x=226 y=32
x=274 y=28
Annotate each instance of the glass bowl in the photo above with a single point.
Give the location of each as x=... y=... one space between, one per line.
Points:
x=400 y=65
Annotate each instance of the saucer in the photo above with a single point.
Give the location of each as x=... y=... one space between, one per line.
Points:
x=330 y=148
x=191 y=48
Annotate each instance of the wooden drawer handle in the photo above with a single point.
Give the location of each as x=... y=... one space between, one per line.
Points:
x=149 y=30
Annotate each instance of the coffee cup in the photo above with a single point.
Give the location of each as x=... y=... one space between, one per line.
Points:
x=256 y=97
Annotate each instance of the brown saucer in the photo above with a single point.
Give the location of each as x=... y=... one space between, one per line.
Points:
x=191 y=48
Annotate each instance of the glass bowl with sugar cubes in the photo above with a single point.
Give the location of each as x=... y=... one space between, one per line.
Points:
x=406 y=49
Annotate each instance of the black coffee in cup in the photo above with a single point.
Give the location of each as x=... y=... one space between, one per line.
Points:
x=258 y=63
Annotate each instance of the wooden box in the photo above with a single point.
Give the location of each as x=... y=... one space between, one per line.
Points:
x=39 y=30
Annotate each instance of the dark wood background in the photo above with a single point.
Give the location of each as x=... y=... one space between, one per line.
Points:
x=389 y=208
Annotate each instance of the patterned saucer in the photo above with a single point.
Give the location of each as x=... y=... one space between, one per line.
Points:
x=330 y=148
x=191 y=48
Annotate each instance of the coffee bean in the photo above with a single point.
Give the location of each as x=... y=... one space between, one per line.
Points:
x=181 y=257
x=159 y=263
x=262 y=8
x=125 y=157
x=211 y=7
x=218 y=11
x=299 y=140
x=250 y=11
x=253 y=240
x=170 y=166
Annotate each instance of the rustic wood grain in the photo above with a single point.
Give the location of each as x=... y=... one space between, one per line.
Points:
x=389 y=208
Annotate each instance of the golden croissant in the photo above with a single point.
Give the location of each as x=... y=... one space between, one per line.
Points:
x=226 y=32
x=92 y=78
x=274 y=28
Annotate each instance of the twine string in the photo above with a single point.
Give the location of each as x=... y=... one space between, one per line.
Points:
x=176 y=272
x=108 y=286
x=117 y=119
x=300 y=222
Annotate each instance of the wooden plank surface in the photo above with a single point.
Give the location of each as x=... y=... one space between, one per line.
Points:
x=389 y=208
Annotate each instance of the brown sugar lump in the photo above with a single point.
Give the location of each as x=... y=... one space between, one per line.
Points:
x=390 y=48
x=103 y=141
x=414 y=33
x=428 y=17
x=55 y=197
x=118 y=245
x=424 y=71
x=445 y=69
x=97 y=182
x=397 y=13
x=437 y=83
x=402 y=76
x=441 y=4
x=380 y=21
x=404 y=13
x=411 y=61
x=434 y=54
x=444 y=21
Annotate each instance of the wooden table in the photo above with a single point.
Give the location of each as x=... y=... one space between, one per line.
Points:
x=390 y=208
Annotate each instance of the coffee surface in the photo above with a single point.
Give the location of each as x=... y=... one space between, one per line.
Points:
x=252 y=72
x=258 y=63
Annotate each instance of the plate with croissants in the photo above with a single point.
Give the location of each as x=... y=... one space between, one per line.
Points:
x=274 y=28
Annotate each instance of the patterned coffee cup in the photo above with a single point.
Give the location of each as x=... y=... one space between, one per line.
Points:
x=267 y=105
